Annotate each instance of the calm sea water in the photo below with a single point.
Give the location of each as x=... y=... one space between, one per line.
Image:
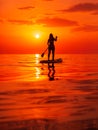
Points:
x=34 y=95
x=27 y=67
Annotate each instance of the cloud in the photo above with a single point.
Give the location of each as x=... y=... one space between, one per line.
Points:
x=21 y=22
x=82 y=7
x=95 y=13
x=56 y=22
x=49 y=14
x=86 y=28
x=26 y=8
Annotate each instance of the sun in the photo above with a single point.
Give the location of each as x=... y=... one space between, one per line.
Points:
x=37 y=36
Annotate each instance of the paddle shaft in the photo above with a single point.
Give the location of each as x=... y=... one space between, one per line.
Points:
x=43 y=52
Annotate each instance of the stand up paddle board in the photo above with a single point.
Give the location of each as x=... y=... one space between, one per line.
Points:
x=59 y=60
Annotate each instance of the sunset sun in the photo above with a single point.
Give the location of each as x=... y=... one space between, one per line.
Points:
x=37 y=36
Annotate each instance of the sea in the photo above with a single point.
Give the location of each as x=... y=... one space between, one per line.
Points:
x=56 y=96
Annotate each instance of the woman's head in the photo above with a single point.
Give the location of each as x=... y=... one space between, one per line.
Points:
x=51 y=35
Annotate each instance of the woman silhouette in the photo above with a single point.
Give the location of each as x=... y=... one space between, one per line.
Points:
x=51 y=46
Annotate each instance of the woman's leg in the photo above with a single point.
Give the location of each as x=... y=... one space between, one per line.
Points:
x=49 y=51
x=53 y=53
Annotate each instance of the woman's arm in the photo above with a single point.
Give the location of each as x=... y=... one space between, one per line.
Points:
x=55 y=38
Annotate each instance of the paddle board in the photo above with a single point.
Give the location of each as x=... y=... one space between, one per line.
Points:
x=59 y=60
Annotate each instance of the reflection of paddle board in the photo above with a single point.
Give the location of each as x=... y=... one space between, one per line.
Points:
x=59 y=60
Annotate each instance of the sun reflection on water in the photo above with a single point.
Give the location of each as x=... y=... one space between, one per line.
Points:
x=38 y=71
x=37 y=56
x=37 y=74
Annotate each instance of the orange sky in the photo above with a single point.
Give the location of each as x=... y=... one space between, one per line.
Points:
x=75 y=22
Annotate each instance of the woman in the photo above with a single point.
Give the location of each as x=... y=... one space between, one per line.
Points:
x=51 y=46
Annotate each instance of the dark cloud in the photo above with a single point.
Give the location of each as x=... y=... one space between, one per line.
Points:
x=56 y=22
x=21 y=22
x=26 y=8
x=82 y=7
x=95 y=13
x=86 y=28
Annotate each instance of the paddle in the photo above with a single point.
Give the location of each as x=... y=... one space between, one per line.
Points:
x=42 y=55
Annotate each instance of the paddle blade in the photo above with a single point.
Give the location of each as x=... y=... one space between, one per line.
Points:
x=42 y=55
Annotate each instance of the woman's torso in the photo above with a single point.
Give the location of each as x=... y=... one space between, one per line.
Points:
x=51 y=43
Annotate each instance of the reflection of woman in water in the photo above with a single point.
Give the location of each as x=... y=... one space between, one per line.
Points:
x=51 y=72
x=51 y=46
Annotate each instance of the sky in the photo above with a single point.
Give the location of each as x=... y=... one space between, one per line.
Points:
x=25 y=25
